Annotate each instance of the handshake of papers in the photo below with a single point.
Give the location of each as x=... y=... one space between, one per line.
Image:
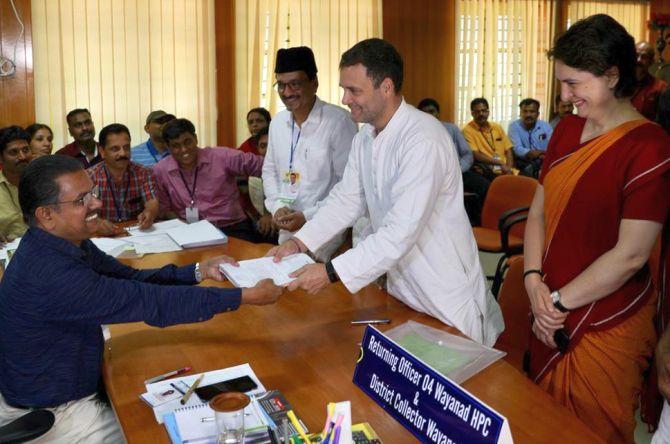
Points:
x=249 y=272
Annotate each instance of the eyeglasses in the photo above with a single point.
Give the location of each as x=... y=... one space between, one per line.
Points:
x=295 y=85
x=85 y=200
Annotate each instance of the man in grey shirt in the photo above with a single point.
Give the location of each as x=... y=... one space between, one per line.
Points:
x=473 y=183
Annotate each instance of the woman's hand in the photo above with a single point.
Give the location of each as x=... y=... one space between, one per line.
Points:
x=548 y=318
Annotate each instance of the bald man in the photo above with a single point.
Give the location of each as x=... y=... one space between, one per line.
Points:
x=645 y=99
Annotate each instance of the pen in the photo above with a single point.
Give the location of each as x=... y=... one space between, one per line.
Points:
x=174 y=386
x=188 y=393
x=370 y=321
x=285 y=423
x=167 y=375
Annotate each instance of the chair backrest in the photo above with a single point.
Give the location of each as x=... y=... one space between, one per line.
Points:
x=506 y=193
x=515 y=307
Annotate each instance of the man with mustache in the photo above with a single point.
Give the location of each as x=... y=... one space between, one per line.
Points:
x=308 y=146
x=81 y=128
x=125 y=188
x=403 y=171
x=149 y=153
x=645 y=99
x=14 y=157
x=59 y=289
x=530 y=137
x=490 y=145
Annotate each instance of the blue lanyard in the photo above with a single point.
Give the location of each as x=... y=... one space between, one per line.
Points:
x=117 y=207
x=293 y=146
x=152 y=150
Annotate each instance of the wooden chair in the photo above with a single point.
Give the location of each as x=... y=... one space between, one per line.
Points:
x=503 y=219
x=515 y=307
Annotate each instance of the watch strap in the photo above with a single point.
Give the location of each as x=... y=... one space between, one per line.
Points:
x=332 y=274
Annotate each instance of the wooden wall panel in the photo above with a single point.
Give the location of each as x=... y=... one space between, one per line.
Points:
x=17 y=93
x=424 y=32
x=224 y=21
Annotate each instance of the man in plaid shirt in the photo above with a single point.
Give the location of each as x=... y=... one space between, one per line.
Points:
x=126 y=189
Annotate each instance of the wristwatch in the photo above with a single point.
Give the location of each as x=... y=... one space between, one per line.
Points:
x=198 y=274
x=332 y=274
x=556 y=300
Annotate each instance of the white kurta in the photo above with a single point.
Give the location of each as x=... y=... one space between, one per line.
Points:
x=408 y=178
x=320 y=157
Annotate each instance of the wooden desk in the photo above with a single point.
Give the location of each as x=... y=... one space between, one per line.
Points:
x=305 y=347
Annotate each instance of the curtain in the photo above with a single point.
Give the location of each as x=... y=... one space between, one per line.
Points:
x=264 y=26
x=123 y=59
x=632 y=14
x=501 y=56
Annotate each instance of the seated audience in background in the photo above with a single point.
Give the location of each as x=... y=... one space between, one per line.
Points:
x=81 y=128
x=196 y=184
x=561 y=109
x=60 y=288
x=41 y=139
x=126 y=189
x=309 y=144
x=530 y=137
x=645 y=99
x=472 y=182
x=490 y=145
x=257 y=119
x=150 y=152
x=14 y=157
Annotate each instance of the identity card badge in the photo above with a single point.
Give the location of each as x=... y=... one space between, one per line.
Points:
x=192 y=214
x=290 y=187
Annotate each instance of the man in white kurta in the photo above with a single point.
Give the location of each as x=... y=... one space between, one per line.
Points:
x=403 y=169
x=308 y=144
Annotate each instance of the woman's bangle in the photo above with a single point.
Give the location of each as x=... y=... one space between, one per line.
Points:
x=296 y=244
x=533 y=271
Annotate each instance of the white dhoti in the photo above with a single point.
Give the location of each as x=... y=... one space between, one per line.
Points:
x=87 y=420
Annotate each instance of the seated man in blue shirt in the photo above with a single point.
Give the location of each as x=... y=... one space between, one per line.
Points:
x=155 y=149
x=59 y=288
x=473 y=183
x=530 y=137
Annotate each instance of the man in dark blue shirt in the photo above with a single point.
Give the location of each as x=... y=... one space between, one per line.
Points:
x=59 y=288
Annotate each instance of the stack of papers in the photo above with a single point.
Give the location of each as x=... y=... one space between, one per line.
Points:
x=8 y=249
x=250 y=272
x=162 y=237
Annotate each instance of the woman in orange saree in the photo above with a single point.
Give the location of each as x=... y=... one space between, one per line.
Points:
x=601 y=205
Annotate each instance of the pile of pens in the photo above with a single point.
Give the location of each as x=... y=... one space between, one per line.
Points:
x=329 y=435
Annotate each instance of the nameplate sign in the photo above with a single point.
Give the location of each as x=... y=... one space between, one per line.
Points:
x=428 y=404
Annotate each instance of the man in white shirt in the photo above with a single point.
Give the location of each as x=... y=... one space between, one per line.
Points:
x=308 y=147
x=404 y=171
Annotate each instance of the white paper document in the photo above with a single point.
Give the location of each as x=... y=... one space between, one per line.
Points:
x=111 y=246
x=251 y=271
x=157 y=228
x=154 y=243
x=198 y=234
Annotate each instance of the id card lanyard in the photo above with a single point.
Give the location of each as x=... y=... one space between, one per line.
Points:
x=294 y=145
x=117 y=206
x=191 y=211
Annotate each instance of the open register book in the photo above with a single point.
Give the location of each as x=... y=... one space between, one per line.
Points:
x=250 y=272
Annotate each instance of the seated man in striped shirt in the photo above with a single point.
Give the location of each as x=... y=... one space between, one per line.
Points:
x=126 y=189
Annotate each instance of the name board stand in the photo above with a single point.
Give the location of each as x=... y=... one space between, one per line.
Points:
x=428 y=404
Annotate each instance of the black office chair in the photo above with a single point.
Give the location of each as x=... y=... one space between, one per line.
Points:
x=28 y=427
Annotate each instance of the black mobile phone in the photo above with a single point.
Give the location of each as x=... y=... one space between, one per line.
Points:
x=242 y=384
x=562 y=340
